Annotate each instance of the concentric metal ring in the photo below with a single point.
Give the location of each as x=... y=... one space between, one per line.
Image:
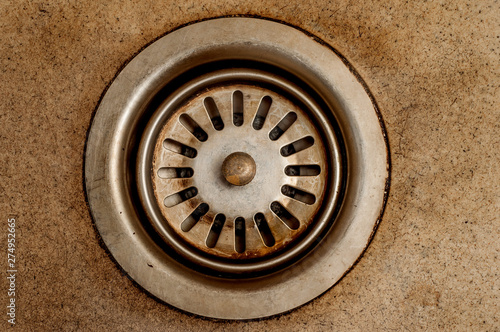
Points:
x=322 y=210
x=171 y=71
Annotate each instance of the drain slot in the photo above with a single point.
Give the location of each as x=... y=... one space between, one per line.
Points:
x=180 y=197
x=283 y=126
x=264 y=230
x=285 y=216
x=179 y=148
x=297 y=146
x=175 y=172
x=215 y=230
x=238 y=108
x=239 y=235
x=193 y=127
x=302 y=170
x=260 y=116
x=298 y=195
x=213 y=113
x=194 y=217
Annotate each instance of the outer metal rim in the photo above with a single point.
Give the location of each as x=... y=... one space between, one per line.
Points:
x=123 y=105
x=145 y=186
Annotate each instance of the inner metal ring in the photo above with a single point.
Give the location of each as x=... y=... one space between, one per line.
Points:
x=269 y=243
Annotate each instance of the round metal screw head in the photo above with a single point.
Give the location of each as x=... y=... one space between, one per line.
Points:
x=239 y=168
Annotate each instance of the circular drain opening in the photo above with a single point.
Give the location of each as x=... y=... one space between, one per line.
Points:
x=291 y=194
x=234 y=159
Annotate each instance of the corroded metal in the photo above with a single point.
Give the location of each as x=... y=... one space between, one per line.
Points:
x=239 y=168
x=223 y=193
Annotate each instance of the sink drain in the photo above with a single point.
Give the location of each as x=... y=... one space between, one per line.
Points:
x=238 y=170
x=233 y=160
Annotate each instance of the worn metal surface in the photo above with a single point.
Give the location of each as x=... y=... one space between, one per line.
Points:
x=269 y=170
x=239 y=168
x=111 y=198
x=170 y=236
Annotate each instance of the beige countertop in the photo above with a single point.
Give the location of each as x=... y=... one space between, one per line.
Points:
x=433 y=68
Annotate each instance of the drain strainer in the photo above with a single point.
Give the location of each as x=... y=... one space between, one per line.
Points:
x=236 y=168
x=269 y=191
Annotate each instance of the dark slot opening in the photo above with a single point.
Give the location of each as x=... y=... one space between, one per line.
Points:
x=302 y=170
x=215 y=230
x=260 y=116
x=194 y=217
x=282 y=126
x=265 y=231
x=298 y=195
x=297 y=146
x=285 y=216
x=239 y=235
x=180 y=197
x=179 y=148
x=213 y=113
x=175 y=172
x=238 y=108
x=193 y=127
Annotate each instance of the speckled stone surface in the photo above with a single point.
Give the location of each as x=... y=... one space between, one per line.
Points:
x=433 y=67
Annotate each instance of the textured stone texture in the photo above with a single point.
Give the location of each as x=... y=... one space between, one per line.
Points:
x=433 y=69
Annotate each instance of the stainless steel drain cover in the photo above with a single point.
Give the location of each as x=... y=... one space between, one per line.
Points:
x=248 y=135
x=232 y=161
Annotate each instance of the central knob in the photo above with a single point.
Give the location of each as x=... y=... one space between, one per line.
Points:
x=239 y=168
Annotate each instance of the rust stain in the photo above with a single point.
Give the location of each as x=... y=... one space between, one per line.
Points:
x=424 y=295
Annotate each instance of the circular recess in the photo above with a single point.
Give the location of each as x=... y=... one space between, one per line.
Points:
x=274 y=219
x=236 y=168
